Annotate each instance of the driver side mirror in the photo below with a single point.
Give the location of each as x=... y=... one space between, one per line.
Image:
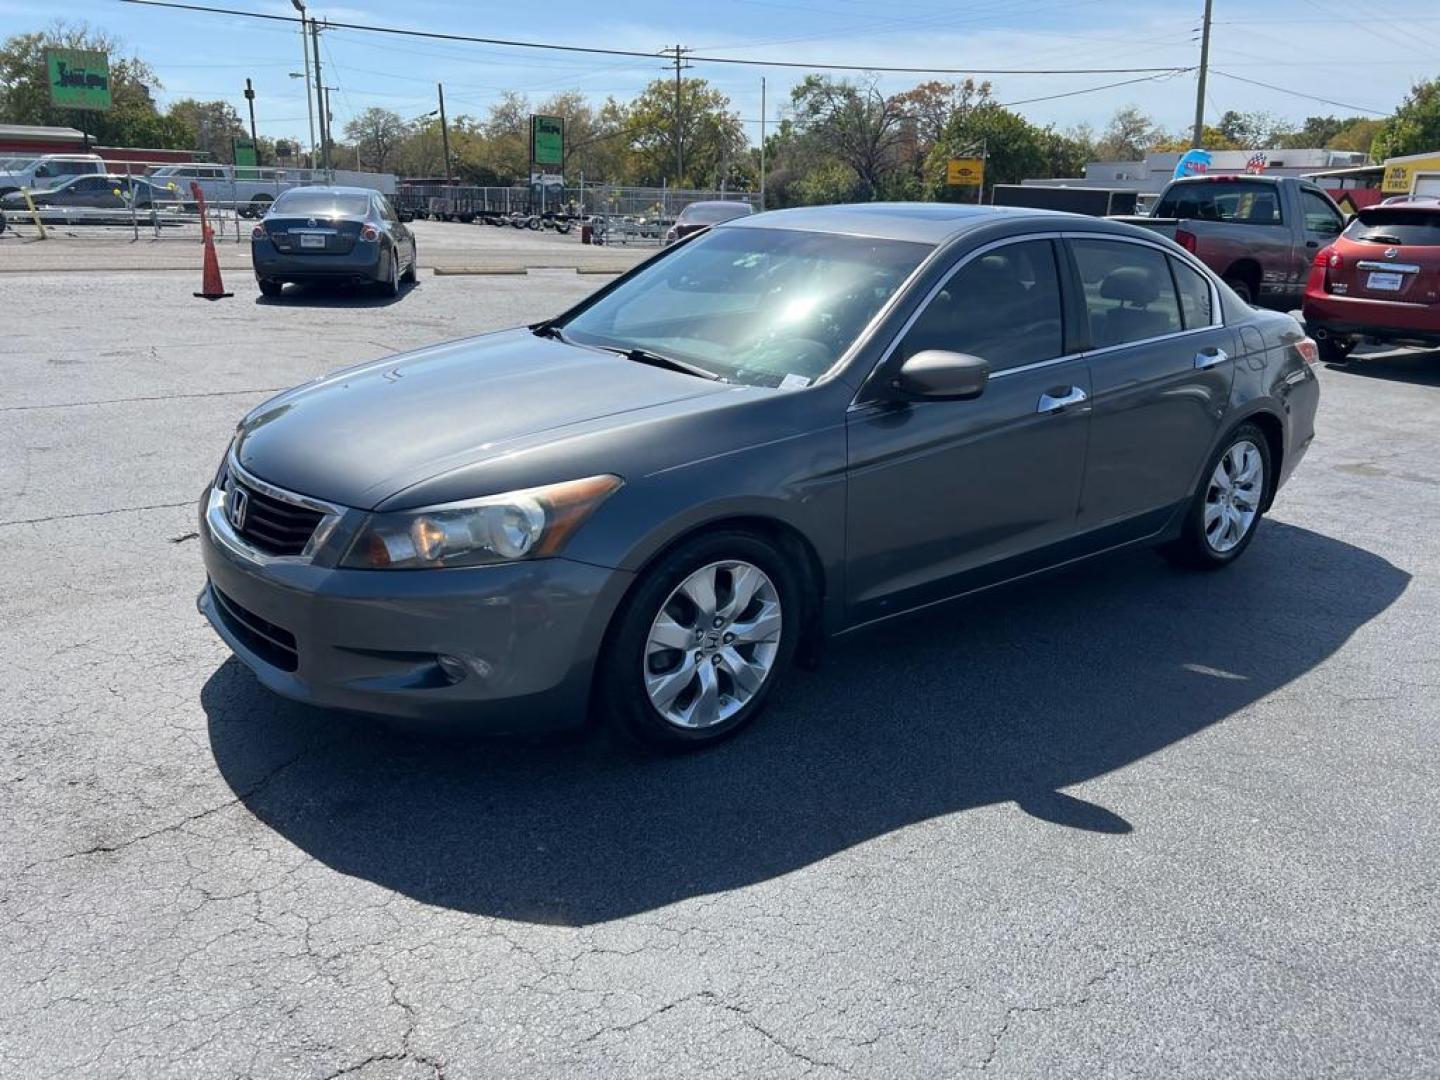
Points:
x=42 y=170
x=937 y=374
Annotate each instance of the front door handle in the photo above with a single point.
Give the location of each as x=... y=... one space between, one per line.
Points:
x=1051 y=404
x=1207 y=358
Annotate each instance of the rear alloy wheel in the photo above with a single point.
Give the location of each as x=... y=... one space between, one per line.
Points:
x=1223 y=516
x=703 y=641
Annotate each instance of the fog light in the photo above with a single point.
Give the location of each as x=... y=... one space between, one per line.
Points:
x=454 y=670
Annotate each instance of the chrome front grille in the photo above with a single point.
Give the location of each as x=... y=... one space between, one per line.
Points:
x=272 y=525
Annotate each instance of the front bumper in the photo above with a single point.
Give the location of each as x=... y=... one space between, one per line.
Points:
x=525 y=634
x=364 y=262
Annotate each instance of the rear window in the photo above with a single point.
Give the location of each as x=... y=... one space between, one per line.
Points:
x=322 y=204
x=1407 y=228
x=1242 y=202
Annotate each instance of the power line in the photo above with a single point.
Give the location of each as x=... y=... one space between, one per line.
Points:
x=1297 y=93
x=1095 y=89
x=596 y=51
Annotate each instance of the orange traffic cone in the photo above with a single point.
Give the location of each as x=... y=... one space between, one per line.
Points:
x=211 y=287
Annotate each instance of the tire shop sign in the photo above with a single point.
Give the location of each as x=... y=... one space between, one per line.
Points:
x=78 y=79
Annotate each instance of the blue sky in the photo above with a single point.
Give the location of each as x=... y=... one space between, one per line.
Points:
x=1311 y=46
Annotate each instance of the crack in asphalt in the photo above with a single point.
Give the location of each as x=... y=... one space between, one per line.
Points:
x=142 y=397
x=96 y=513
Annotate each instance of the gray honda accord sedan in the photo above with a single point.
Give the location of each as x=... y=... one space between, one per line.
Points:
x=792 y=425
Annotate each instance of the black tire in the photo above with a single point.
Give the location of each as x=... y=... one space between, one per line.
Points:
x=1335 y=350
x=412 y=274
x=390 y=285
x=270 y=288
x=622 y=696
x=1193 y=549
x=1242 y=289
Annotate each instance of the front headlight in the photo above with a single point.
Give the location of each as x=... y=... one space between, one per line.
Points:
x=526 y=524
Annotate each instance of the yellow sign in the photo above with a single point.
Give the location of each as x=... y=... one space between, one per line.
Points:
x=965 y=172
x=1400 y=174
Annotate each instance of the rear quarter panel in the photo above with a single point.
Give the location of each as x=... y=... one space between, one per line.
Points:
x=1271 y=377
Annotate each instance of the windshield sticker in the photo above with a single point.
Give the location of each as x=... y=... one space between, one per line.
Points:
x=794 y=382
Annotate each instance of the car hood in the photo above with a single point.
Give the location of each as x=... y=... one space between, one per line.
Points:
x=365 y=434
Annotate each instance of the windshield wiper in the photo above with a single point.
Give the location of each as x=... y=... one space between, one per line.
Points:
x=1382 y=238
x=548 y=329
x=654 y=359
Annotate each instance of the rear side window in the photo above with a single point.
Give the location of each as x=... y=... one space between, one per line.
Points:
x=1241 y=202
x=1194 y=290
x=1129 y=295
x=1003 y=306
x=1406 y=228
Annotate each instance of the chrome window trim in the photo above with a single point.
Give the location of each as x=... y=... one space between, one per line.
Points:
x=225 y=535
x=1216 y=318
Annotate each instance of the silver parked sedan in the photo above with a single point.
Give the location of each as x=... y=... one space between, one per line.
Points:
x=794 y=424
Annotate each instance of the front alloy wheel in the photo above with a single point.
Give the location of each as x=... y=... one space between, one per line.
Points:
x=713 y=644
x=704 y=638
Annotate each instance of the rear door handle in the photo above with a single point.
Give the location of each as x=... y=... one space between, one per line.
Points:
x=1210 y=357
x=1051 y=404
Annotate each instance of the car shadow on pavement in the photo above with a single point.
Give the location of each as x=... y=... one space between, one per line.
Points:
x=1419 y=367
x=335 y=295
x=1008 y=697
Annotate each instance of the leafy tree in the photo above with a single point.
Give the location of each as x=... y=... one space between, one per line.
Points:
x=377 y=133
x=1015 y=149
x=1357 y=135
x=211 y=126
x=857 y=125
x=1128 y=136
x=711 y=135
x=1255 y=130
x=1414 y=128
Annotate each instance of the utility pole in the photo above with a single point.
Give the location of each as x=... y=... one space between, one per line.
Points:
x=1197 y=139
x=250 y=100
x=444 y=132
x=299 y=6
x=762 y=143
x=320 y=97
x=328 y=117
x=679 y=52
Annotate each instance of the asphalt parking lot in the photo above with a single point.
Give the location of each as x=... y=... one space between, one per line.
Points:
x=1119 y=821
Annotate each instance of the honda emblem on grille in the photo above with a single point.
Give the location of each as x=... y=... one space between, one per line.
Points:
x=1391 y=253
x=237 y=502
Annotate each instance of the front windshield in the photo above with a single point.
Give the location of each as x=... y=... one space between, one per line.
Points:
x=16 y=164
x=712 y=213
x=753 y=305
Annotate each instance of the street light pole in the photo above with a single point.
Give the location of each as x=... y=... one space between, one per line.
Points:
x=250 y=100
x=305 y=56
x=320 y=96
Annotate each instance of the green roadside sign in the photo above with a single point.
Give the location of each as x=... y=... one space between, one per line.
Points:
x=547 y=140
x=78 y=80
x=245 y=158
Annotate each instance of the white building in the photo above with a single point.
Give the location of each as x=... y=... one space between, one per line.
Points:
x=1150 y=176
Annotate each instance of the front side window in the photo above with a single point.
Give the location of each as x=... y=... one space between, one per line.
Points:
x=1320 y=215
x=1240 y=202
x=1129 y=295
x=1003 y=306
x=1195 y=299
x=752 y=305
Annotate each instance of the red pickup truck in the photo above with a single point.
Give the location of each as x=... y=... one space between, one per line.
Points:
x=1259 y=233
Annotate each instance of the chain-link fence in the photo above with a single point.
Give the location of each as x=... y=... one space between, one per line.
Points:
x=131 y=200
x=616 y=214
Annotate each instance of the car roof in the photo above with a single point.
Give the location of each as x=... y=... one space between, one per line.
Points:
x=319 y=189
x=925 y=223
